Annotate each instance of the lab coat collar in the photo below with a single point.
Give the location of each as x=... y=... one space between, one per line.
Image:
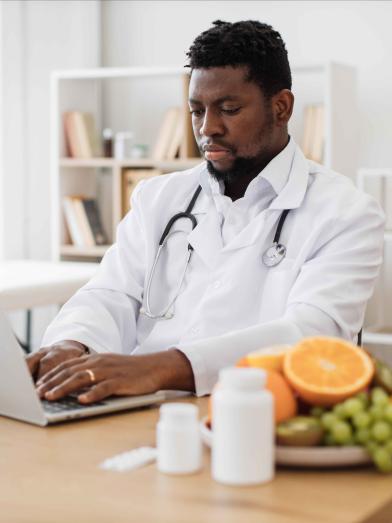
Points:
x=287 y=173
x=293 y=192
x=206 y=238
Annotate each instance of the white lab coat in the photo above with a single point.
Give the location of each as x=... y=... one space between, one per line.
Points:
x=230 y=302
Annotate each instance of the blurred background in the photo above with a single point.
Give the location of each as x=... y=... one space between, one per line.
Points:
x=51 y=55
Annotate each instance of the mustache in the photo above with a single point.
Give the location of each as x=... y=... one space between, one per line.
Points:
x=203 y=145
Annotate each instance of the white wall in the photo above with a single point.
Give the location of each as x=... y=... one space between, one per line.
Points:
x=12 y=139
x=353 y=32
x=36 y=37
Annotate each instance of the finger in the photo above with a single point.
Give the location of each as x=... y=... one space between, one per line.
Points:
x=98 y=392
x=50 y=361
x=64 y=386
x=64 y=365
x=33 y=360
x=58 y=378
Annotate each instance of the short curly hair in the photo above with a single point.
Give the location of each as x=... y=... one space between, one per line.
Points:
x=247 y=43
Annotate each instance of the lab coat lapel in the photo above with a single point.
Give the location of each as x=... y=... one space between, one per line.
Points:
x=206 y=237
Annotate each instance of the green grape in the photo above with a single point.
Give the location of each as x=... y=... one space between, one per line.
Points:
x=381 y=431
x=388 y=446
x=383 y=459
x=352 y=406
x=361 y=420
x=362 y=436
x=371 y=446
x=376 y=412
x=329 y=440
x=316 y=412
x=379 y=397
x=388 y=413
x=339 y=411
x=341 y=432
x=350 y=442
x=364 y=397
x=328 y=419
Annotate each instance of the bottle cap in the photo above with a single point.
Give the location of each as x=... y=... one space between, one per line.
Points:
x=107 y=133
x=242 y=378
x=178 y=413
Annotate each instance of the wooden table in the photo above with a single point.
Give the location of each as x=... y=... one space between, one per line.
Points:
x=51 y=475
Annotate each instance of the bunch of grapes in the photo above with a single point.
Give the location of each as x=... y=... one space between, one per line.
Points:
x=365 y=420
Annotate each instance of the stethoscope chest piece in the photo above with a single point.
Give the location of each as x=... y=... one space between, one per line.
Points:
x=274 y=254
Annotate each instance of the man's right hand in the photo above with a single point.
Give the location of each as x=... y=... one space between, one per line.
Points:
x=48 y=358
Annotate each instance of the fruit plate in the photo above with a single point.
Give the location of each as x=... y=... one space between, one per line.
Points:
x=309 y=457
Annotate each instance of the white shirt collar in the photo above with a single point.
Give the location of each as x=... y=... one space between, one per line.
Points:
x=276 y=173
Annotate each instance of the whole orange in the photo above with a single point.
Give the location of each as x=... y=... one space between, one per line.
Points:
x=285 y=403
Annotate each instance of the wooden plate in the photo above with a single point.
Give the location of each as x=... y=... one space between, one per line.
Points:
x=309 y=457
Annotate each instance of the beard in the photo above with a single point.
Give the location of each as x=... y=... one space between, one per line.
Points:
x=240 y=167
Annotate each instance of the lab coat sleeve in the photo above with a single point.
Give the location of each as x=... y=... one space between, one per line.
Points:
x=102 y=314
x=328 y=297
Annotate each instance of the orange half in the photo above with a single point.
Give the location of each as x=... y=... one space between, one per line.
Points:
x=267 y=358
x=324 y=371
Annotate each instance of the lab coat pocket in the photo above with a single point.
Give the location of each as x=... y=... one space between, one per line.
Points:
x=278 y=283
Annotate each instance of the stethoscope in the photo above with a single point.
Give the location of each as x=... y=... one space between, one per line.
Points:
x=271 y=257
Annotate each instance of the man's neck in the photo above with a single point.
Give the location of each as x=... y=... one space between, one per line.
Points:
x=236 y=187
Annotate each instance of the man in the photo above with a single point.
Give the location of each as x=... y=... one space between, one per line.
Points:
x=134 y=329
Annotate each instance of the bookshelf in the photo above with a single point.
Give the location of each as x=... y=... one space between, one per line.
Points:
x=136 y=99
x=378 y=322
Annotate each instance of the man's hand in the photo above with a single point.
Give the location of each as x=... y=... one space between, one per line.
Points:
x=117 y=375
x=47 y=358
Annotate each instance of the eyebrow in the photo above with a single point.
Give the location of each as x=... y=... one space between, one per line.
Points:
x=218 y=101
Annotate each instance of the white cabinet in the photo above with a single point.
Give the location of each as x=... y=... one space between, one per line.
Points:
x=378 y=321
x=136 y=99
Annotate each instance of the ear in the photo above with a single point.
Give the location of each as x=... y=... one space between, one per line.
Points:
x=283 y=103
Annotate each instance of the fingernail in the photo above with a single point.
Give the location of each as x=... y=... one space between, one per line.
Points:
x=83 y=397
x=48 y=394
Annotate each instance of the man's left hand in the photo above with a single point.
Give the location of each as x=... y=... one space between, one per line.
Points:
x=117 y=375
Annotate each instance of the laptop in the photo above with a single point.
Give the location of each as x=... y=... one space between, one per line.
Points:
x=19 y=400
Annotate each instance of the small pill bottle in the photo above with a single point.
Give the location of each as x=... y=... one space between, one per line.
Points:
x=179 y=448
x=243 y=428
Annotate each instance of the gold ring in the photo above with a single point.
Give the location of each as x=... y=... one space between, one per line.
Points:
x=91 y=375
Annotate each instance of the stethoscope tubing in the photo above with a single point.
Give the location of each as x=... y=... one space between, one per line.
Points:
x=187 y=214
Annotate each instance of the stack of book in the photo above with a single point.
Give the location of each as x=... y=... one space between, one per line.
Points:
x=130 y=178
x=168 y=142
x=313 y=132
x=81 y=138
x=83 y=221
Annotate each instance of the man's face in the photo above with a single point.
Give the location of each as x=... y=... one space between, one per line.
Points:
x=232 y=121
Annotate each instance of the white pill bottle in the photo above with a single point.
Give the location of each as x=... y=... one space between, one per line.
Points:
x=243 y=428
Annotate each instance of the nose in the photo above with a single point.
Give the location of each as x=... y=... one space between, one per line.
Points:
x=212 y=124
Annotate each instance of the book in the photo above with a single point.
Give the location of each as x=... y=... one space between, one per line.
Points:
x=313 y=132
x=166 y=133
x=306 y=144
x=72 y=222
x=173 y=149
x=83 y=221
x=317 y=151
x=94 y=221
x=131 y=177
x=80 y=135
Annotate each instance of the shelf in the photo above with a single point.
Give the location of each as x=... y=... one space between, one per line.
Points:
x=88 y=252
x=378 y=335
x=163 y=165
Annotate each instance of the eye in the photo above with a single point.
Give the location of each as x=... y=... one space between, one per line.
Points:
x=230 y=110
x=196 y=112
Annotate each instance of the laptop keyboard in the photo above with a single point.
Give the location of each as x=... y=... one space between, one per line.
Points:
x=65 y=404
